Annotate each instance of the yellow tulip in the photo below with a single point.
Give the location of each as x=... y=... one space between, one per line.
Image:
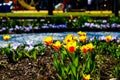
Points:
x=84 y=48
x=6 y=37
x=87 y=47
x=68 y=38
x=108 y=38
x=48 y=40
x=82 y=38
x=81 y=33
x=71 y=47
x=57 y=45
x=86 y=77
x=90 y=46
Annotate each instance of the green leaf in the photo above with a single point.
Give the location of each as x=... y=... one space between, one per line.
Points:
x=64 y=51
x=55 y=60
x=63 y=72
x=20 y=55
x=76 y=61
x=34 y=55
x=60 y=78
x=67 y=69
x=73 y=69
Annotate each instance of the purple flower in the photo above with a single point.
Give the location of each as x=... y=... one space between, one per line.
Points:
x=87 y=24
x=16 y=27
x=108 y=25
x=114 y=25
x=104 y=21
x=103 y=26
x=30 y=27
x=118 y=26
x=29 y=45
x=27 y=29
x=3 y=28
x=36 y=28
x=3 y=20
x=44 y=27
x=92 y=25
x=62 y=26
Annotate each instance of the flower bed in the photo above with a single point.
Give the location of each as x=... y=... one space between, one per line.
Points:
x=76 y=58
x=58 y=24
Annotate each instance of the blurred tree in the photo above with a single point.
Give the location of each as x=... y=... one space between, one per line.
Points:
x=115 y=7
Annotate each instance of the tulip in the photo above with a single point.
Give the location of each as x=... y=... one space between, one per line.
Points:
x=71 y=47
x=6 y=37
x=56 y=45
x=108 y=38
x=90 y=46
x=81 y=33
x=82 y=38
x=86 y=77
x=48 y=40
x=84 y=49
x=68 y=38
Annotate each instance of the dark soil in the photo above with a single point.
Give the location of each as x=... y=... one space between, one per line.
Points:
x=28 y=69
x=42 y=68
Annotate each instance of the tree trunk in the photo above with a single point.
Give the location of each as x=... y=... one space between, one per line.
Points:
x=50 y=7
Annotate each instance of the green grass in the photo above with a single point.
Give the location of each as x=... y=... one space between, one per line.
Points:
x=57 y=14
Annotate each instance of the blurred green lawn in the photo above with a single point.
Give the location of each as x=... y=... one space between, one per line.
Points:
x=56 y=14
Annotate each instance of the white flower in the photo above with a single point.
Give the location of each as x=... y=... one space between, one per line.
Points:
x=29 y=48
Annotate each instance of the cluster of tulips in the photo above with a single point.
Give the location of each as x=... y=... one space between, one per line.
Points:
x=77 y=55
x=74 y=58
x=70 y=42
x=69 y=47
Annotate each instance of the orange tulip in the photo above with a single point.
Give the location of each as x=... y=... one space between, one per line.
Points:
x=108 y=38
x=6 y=37
x=86 y=77
x=48 y=40
x=56 y=45
x=84 y=49
x=87 y=47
